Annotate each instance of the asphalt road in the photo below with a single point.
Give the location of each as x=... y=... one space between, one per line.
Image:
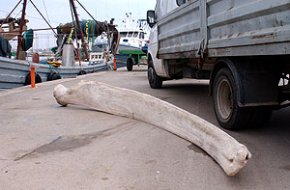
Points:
x=45 y=146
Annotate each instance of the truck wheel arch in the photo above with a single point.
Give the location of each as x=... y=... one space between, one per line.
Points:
x=150 y=61
x=154 y=80
x=225 y=63
x=247 y=73
x=250 y=101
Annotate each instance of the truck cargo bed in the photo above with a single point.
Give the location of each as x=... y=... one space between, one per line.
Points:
x=226 y=28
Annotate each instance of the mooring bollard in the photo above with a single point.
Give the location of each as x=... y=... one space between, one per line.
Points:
x=35 y=58
x=32 y=76
x=115 y=63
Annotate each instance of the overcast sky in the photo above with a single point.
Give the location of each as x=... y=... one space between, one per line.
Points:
x=58 y=11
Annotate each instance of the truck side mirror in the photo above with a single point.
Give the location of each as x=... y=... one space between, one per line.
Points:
x=180 y=2
x=151 y=19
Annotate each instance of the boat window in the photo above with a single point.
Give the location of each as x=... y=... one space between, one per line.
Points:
x=123 y=34
x=141 y=36
x=133 y=34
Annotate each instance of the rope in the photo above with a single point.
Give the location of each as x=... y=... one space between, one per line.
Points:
x=43 y=2
x=92 y=31
x=70 y=36
x=72 y=17
x=93 y=24
x=11 y=12
x=86 y=11
x=87 y=31
x=43 y=17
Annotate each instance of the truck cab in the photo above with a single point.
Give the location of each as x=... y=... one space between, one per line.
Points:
x=157 y=69
x=165 y=66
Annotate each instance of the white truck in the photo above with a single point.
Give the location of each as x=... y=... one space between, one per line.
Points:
x=241 y=46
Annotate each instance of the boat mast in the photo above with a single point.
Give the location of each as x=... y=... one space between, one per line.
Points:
x=79 y=28
x=22 y=23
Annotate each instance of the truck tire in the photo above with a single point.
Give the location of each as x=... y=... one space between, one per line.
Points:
x=130 y=64
x=227 y=111
x=154 y=80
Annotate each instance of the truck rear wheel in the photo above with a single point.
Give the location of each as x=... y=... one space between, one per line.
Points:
x=227 y=111
x=130 y=64
x=154 y=80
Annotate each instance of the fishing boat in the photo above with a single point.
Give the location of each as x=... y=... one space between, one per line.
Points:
x=71 y=58
x=17 y=73
x=133 y=41
x=133 y=34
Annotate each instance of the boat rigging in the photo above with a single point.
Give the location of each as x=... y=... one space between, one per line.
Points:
x=77 y=30
x=20 y=72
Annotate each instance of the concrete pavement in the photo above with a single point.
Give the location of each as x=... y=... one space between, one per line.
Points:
x=45 y=146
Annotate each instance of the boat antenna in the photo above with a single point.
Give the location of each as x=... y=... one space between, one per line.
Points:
x=43 y=17
x=79 y=29
x=10 y=13
x=22 y=22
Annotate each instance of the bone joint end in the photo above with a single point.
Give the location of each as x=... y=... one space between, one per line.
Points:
x=60 y=93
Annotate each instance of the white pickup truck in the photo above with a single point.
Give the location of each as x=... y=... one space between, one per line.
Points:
x=241 y=46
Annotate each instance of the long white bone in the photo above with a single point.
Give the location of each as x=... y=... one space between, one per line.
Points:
x=229 y=154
